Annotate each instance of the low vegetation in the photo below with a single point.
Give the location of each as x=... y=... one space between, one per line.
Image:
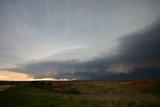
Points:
x=82 y=94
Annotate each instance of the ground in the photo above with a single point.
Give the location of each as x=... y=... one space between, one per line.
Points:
x=81 y=94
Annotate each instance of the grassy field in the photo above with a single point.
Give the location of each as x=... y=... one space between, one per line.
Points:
x=82 y=94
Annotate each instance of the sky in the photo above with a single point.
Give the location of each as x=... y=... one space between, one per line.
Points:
x=80 y=39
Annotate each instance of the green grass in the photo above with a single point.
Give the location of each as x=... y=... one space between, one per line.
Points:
x=84 y=94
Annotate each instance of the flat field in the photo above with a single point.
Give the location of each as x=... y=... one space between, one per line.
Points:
x=81 y=94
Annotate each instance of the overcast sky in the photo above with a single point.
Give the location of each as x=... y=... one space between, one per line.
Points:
x=62 y=38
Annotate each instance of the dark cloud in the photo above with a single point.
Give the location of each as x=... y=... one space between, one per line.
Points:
x=140 y=49
x=137 y=56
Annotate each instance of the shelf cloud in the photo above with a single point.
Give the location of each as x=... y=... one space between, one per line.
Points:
x=138 y=50
x=81 y=39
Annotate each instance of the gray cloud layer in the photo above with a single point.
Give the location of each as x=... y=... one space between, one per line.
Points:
x=138 y=50
x=34 y=29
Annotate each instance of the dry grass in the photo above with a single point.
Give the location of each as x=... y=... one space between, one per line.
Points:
x=83 y=94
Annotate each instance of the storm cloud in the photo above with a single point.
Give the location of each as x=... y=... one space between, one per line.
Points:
x=139 y=49
x=81 y=39
x=135 y=52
